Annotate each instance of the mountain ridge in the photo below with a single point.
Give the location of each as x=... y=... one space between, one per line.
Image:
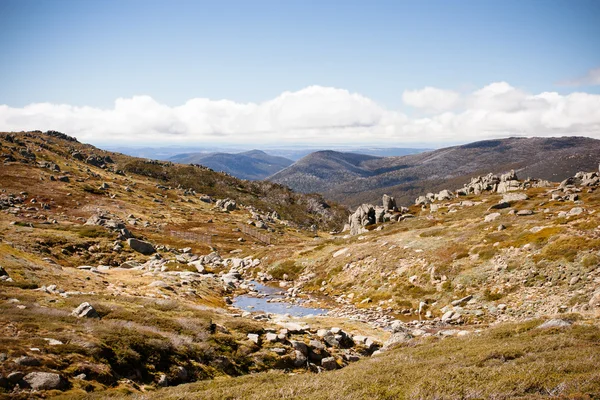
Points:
x=406 y=177
x=251 y=165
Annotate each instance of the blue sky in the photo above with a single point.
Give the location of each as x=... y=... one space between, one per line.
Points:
x=89 y=53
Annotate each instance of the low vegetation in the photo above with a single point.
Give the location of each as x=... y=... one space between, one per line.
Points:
x=510 y=361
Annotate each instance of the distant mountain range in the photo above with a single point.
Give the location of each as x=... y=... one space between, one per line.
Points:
x=353 y=178
x=293 y=152
x=251 y=165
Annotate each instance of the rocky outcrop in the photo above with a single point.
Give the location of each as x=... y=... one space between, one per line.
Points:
x=389 y=203
x=479 y=184
x=226 y=204
x=362 y=217
x=99 y=161
x=110 y=222
x=508 y=183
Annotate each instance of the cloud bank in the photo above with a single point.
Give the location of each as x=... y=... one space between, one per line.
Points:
x=591 y=78
x=321 y=115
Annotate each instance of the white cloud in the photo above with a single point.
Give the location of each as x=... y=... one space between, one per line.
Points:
x=430 y=98
x=320 y=115
x=591 y=78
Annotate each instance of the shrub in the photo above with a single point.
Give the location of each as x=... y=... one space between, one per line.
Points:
x=288 y=267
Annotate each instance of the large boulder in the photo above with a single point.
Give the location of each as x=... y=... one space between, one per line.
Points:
x=85 y=310
x=379 y=214
x=508 y=182
x=508 y=186
x=444 y=195
x=511 y=197
x=141 y=246
x=226 y=204
x=45 y=381
x=363 y=216
x=421 y=201
x=389 y=203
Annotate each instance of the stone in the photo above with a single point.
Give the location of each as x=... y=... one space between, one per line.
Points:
x=444 y=195
x=555 y=323
x=329 y=363
x=575 y=211
x=293 y=327
x=340 y=252
x=491 y=217
x=160 y=284
x=85 y=310
x=399 y=336
x=53 y=342
x=389 y=203
x=15 y=377
x=524 y=212
x=331 y=339
x=163 y=380
x=44 y=381
x=141 y=246
x=574 y=280
x=253 y=337
x=271 y=337
x=421 y=201
x=462 y=301
x=512 y=197
x=316 y=345
x=447 y=315
x=27 y=361
x=499 y=206
x=362 y=217
x=300 y=359
x=299 y=346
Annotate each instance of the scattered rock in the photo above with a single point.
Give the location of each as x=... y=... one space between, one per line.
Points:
x=44 y=381
x=555 y=323
x=524 y=212
x=27 y=361
x=141 y=246
x=329 y=363
x=491 y=217
x=85 y=310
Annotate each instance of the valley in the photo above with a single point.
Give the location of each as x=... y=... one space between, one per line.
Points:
x=126 y=277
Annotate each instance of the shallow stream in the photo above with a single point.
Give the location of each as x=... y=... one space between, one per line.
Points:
x=251 y=303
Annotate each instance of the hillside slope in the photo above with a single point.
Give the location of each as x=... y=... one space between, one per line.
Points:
x=407 y=177
x=323 y=169
x=120 y=276
x=252 y=165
